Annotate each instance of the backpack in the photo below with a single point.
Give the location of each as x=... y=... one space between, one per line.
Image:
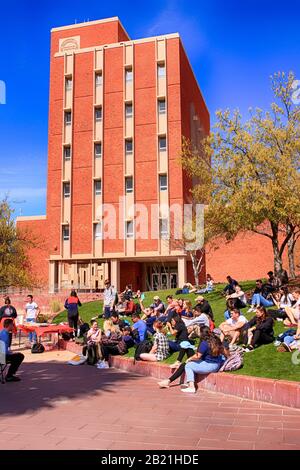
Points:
x=91 y=355
x=84 y=328
x=143 y=347
x=234 y=362
x=37 y=348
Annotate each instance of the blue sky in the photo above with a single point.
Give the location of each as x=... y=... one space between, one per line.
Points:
x=233 y=46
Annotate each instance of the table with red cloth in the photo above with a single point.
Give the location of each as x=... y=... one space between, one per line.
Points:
x=43 y=330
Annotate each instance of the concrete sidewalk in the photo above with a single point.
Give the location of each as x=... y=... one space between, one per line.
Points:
x=57 y=406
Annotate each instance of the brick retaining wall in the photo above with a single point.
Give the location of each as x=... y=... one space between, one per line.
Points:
x=278 y=392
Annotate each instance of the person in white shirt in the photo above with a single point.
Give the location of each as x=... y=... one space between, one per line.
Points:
x=194 y=324
x=109 y=299
x=31 y=312
x=239 y=297
x=286 y=299
x=232 y=327
x=293 y=313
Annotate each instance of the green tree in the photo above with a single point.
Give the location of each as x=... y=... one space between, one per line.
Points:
x=15 y=269
x=248 y=172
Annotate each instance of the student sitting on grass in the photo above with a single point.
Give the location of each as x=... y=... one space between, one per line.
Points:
x=187 y=311
x=229 y=307
x=229 y=288
x=261 y=297
x=209 y=286
x=139 y=329
x=239 y=297
x=204 y=306
x=178 y=329
x=160 y=349
x=258 y=331
x=232 y=327
x=290 y=342
x=293 y=313
x=194 y=324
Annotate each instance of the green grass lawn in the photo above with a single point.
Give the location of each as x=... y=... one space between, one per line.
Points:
x=263 y=362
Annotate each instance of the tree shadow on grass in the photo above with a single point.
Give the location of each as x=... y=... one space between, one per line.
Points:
x=45 y=384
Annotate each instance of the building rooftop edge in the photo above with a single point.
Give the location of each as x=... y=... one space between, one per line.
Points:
x=88 y=23
x=22 y=218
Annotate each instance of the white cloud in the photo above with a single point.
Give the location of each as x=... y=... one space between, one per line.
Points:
x=172 y=20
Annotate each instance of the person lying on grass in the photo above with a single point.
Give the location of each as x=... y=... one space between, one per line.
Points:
x=160 y=349
x=232 y=327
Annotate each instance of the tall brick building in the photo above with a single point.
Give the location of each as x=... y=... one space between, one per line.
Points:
x=118 y=109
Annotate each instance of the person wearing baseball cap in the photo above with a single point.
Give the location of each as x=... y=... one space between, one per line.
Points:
x=204 y=305
x=158 y=306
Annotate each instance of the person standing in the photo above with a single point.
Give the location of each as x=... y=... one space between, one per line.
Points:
x=31 y=312
x=109 y=299
x=8 y=311
x=71 y=305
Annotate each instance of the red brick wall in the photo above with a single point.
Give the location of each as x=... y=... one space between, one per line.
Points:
x=82 y=184
x=38 y=231
x=191 y=94
x=247 y=257
x=113 y=179
x=92 y=35
x=145 y=134
x=54 y=188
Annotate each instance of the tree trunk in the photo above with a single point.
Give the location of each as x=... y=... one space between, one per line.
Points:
x=291 y=256
x=195 y=268
x=278 y=267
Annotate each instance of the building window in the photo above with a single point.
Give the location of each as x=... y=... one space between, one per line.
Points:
x=98 y=231
x=98 y=150
x=164 y=229
x=69 y=83
x=98 y=114
x=129 y=229
x=66 y=233
x=98 y=188
x=128 y=110
x=161 y=70
x=67 y=190
x=128 y=75
x=99 y=79
x=162 y=106
x=163 y=182
x=67 y=153
x=128 y=146
x=68 y=118
x=162 y=144
x=129 y=184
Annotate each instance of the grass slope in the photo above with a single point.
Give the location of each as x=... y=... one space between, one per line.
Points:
x=263 y=362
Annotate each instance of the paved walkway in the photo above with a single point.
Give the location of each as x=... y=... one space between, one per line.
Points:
x=57 y=406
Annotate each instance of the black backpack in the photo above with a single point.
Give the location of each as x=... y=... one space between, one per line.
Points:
x=143 y=347
x=37 y=348
x=91 y=355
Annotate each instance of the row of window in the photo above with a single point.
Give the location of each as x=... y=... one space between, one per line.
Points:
x=162 y=146
x=161 y=103
x=161 y=73
x=129 y=230
x=163 y=186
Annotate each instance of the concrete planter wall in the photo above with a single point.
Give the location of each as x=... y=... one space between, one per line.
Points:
x=278 y=392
